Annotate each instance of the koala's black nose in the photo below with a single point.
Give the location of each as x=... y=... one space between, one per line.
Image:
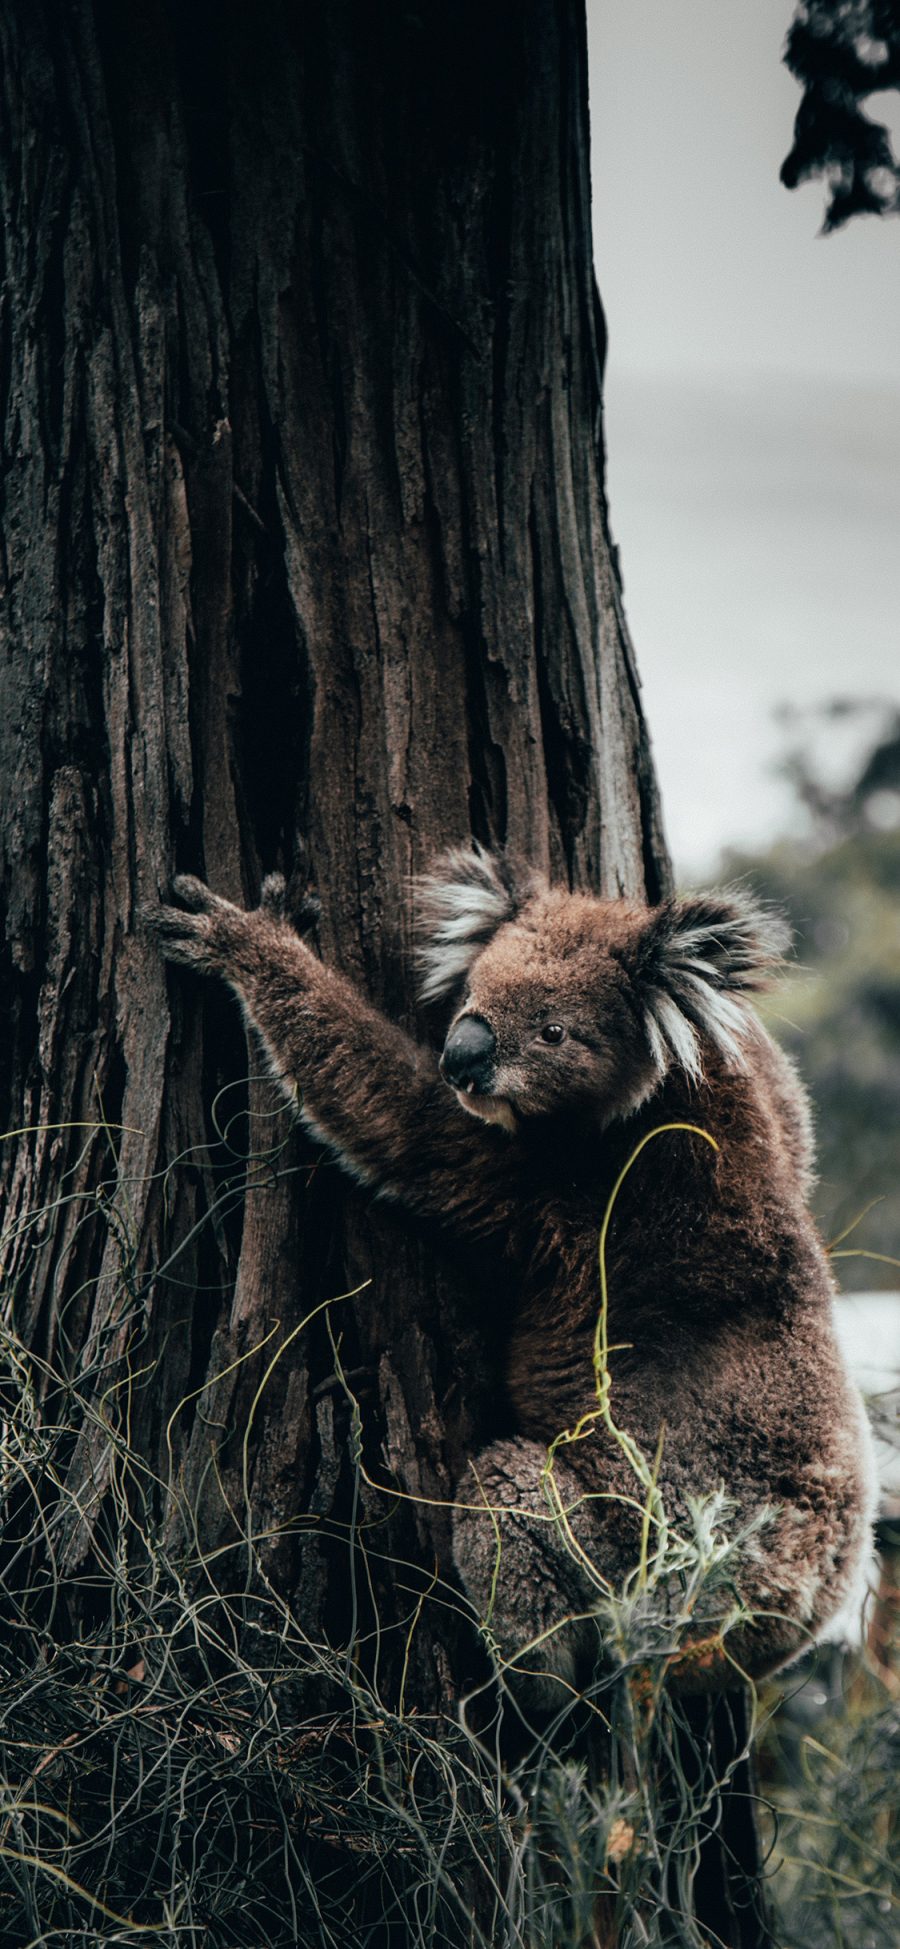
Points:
x=468 y=1056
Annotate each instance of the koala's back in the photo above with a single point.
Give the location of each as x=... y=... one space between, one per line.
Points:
x=720 y=1317
x=768 y=1413
x=787 y=1101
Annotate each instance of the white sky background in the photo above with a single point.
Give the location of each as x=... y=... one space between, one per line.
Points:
x=752 y=410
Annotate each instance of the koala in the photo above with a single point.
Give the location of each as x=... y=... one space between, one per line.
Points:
x=581 y=1026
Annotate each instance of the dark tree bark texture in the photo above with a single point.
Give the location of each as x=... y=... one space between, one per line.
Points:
x=305 y=564
x=305 y=556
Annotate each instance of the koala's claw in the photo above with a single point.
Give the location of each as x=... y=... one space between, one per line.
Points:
x=301 y=913
x=199 y=932
x=180 y=936
x=273 y=895
x=308 y=914
x=194 y=894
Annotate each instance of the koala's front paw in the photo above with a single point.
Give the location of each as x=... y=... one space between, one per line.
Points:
x=301 y=912
x=273 y=896
x=205 y=932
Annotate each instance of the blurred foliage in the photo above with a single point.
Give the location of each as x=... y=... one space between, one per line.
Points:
x=829 y=1764
x=842 y=52
x=838 y=1014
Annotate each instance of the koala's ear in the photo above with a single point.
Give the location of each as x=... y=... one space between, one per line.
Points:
x=460 y=904
x=698 y=960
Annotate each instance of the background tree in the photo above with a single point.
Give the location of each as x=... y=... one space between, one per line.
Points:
x=839 y=1012
x=843 y=55
x=829 y=1755
x=306 y=563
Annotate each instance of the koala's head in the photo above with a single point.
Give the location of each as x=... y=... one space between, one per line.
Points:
x=566 y=1003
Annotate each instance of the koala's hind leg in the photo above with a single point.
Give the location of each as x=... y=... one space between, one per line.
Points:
x=526 y=1564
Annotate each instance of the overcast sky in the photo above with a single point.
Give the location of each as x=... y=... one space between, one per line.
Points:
x=753 y=409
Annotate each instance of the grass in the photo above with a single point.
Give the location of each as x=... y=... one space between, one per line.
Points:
x=183 y=1760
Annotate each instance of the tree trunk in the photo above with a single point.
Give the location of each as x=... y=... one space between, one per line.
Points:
x=306 y=564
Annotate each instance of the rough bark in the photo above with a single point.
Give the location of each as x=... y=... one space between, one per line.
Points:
x=305 y=547
x=305 y=564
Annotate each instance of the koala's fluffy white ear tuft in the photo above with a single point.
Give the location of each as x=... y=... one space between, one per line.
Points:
x=460 y=904
x=699 y=960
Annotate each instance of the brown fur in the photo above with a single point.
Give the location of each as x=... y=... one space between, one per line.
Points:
x=719 y=1291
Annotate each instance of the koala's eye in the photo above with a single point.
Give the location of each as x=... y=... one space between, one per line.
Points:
x=553 y=1032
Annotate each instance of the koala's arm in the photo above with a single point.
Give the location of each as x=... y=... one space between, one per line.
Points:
x=356 y=1081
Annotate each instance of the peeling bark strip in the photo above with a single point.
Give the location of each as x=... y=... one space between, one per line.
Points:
x=305 y=564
